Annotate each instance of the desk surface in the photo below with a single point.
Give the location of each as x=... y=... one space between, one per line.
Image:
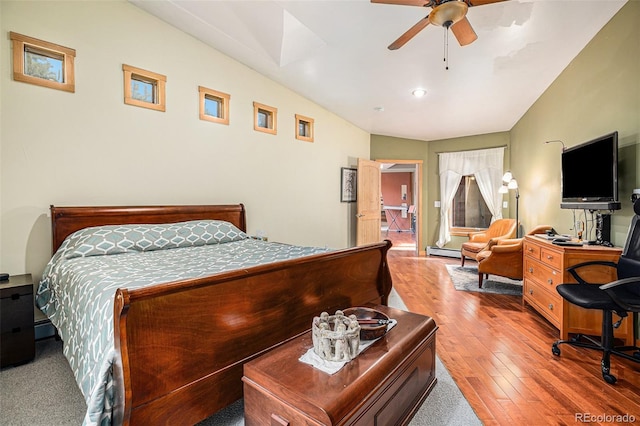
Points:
x=395 y=207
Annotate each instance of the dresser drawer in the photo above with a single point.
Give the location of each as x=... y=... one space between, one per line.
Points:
x=546 y=303
x=16 y=309
x=551 y=258
x=541 y=273
x=531 y=250
x=17 y=347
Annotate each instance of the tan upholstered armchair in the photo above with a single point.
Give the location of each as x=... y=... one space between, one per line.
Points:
x=505 y=257
x=499 y=230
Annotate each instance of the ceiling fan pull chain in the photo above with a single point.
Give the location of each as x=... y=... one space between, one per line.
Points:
x=446 y=48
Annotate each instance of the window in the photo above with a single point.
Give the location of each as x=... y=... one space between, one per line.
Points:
x=265 y=118
x=469 y=211
x=42 y=63
x=214 y=105
x=304 y=128
x=143 y=88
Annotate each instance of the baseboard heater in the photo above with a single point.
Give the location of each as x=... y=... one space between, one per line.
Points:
x=437 y=251
x=44 y=330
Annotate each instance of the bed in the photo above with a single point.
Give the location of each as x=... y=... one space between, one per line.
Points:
x=176 y=346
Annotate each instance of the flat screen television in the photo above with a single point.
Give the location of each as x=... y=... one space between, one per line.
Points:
x=590 y=175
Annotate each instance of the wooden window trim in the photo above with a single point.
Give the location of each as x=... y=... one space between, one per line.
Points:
x=309 y=120
x=20 y=41
x=224 y=97
x=273 y=122
x=464 y=232
x=158 y=80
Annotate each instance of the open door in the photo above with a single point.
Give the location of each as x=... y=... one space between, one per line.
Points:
x=369 y=209
x=416 y=200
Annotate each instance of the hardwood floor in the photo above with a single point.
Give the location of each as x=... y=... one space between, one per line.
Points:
x=499 y=353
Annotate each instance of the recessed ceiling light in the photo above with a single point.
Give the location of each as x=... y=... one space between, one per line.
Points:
x=379 y=109
x=418 y=93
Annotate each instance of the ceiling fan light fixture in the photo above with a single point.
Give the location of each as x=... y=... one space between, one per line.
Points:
x=418 y=93
x=447 y=14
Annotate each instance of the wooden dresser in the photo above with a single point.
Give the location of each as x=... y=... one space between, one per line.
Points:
x=545 y=266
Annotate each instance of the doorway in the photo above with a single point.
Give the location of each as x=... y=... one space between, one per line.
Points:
x=401 y=203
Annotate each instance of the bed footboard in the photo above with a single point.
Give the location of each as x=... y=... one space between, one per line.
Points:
x=181 y=346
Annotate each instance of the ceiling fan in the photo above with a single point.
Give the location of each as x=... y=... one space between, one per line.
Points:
x=449 y=14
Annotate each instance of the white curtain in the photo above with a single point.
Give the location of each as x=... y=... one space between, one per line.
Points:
x=486 y=166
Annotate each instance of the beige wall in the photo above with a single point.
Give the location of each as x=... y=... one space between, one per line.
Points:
x=89 y=148
x=598 y=92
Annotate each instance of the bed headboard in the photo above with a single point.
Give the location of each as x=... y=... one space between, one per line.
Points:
x=67 y=220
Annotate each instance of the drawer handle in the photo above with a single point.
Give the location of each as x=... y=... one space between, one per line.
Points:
x=529 y=249
x=276 y=420
x=549 y=257
x=16 y=330
x=530 y=269
x=531 y=291
x=550 y=281
x=15 y=296
x=550 y=307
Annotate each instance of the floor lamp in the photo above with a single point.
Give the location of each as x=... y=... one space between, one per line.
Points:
x=510 y=183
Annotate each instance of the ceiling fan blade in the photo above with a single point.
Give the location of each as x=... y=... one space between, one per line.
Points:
x=403 y=2
x=409 y=34
x=481 y=2
x=464 y=32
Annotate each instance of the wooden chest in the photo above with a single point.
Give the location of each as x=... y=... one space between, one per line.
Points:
x=384 y=385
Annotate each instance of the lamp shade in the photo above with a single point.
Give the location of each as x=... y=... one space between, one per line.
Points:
x=513 y=184
x=447 y=14
x=507 y=177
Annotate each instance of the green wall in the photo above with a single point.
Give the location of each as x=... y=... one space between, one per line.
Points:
x=385 y=147
x=597 y=93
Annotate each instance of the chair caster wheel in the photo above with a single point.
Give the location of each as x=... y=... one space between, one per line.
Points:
x=555 y=349
x=609 y=378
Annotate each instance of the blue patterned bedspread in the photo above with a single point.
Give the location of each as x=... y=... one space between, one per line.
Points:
x=79 y=284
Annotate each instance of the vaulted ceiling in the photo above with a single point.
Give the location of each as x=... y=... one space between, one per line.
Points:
x=334 y=52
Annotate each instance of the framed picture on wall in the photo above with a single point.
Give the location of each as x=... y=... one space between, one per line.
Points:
x=348 y=185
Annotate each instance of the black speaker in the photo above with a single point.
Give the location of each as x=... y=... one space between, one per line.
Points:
x=603 y=229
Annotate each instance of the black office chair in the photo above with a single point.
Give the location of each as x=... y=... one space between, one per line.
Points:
x=621 y=296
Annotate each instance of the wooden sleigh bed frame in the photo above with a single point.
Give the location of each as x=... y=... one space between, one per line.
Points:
x=182 y=345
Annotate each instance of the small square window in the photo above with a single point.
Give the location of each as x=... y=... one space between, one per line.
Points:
x=144 y=88
x=265 y=118
x=214 y=105
x=42 y=63
x=304 y=128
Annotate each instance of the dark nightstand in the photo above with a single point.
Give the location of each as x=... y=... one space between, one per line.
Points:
x=17 y=344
